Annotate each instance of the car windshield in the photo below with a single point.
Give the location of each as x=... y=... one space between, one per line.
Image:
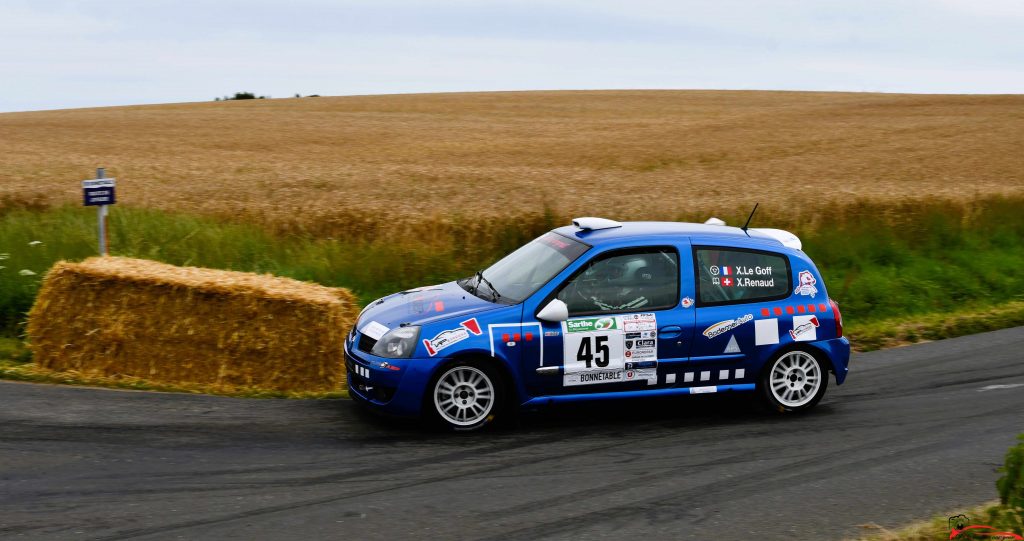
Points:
x=521 y=273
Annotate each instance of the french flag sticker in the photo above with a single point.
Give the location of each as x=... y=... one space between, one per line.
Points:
x=726 y=271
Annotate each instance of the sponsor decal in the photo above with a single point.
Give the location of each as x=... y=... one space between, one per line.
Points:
x=804 y=328
x=604 y=376
x=703 y=390
x=551 y=333
x=374 y=330
x=450 y=337
x=473 y=326
x=806 y=284
x=732 y=347
x=725 y=326
x=766 y=332
x=591 y=324
x=642 y=370
x=553 y=241
x=639 y=322
x=687 y=302
x=596 y=350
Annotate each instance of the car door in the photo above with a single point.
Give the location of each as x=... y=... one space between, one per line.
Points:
x=737 y=291
x=626 y=319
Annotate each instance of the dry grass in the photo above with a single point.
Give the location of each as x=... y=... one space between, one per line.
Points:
x=335 y=165
x=126 y=317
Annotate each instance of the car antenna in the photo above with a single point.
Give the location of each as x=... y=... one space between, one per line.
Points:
x=751 y=217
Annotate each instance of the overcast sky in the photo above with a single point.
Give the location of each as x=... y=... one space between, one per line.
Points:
x=57 y=54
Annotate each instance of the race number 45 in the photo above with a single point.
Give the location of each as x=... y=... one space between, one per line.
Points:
x=594 y=349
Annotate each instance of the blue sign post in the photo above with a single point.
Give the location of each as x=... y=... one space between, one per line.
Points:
x=99 y=192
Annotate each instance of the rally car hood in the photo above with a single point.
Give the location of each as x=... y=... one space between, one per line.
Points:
x=424 y=305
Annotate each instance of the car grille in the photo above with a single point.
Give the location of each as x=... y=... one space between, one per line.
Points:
x=366 y=343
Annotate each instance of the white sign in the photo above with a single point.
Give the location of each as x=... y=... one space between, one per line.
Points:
x=596 y=349
x=99 y=183
x=374 y=330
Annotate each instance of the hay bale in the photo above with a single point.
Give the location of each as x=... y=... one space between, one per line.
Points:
x=117 y=316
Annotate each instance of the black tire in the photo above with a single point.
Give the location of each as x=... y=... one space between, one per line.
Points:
x=785 y=385
x=465 y=406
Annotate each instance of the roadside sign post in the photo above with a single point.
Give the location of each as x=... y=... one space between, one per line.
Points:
x=99 y=192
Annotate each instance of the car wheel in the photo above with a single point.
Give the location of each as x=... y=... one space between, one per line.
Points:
x=794 y=381
x=465 y=397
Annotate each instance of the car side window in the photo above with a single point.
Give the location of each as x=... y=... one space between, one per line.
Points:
x=646 y=279
x=736 y=275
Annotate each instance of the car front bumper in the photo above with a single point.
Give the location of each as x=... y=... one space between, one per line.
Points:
x=391 y=386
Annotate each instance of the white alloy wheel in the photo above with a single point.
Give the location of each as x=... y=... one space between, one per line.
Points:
x=795 y=379
x=464 y=396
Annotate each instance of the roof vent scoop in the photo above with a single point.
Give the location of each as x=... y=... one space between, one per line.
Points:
x=591 y=224
x=714 y=221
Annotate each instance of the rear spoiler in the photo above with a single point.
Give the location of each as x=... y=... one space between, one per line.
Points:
x=787 y=239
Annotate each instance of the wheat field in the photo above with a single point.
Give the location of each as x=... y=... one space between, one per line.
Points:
x=329 y=164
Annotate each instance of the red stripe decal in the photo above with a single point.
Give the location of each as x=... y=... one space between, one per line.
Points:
x=472 y=326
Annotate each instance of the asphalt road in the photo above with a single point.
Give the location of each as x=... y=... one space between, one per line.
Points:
x=915 y=431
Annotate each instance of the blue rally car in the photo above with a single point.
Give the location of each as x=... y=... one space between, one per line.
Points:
x=602 y=310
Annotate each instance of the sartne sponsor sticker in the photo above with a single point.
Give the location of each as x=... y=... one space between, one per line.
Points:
x=591 y=324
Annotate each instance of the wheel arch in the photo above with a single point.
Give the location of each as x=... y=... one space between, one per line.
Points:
x=504 y=371
x=807 y=347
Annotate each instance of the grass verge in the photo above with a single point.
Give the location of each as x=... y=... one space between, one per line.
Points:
x=1000 y=517
x=887 y=333
x=26 y=371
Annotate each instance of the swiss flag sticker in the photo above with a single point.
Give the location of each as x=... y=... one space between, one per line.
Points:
x=727 y=282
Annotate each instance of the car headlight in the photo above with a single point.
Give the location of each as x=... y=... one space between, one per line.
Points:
x=397 y=343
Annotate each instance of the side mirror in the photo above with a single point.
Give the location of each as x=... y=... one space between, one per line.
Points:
x=554 y=312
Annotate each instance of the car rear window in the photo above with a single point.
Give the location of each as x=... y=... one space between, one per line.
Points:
x=736 y=275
